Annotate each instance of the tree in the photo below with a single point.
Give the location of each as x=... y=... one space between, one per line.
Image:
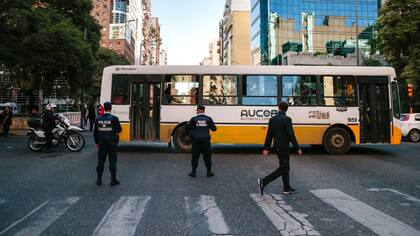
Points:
x=399 y=34
x=41 y=41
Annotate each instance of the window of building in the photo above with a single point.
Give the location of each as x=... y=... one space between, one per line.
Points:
x=120 y=90
x=299 y=90
x=181 y=89
x=220 y=89
x=338 y=91
x=259 y=90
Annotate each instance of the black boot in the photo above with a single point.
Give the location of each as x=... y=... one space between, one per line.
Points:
x=193 y=173
x=209 y=173
x=114 y=180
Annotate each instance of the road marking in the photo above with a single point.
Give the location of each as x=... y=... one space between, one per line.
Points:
x=2 y=201
x=204 y=217
x=123 y=216
x=406 y=196
x=23 y=218
x=283 y=217
x=366 y=215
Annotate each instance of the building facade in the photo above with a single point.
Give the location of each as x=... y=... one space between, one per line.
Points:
x=155 y=41
x=214 y=57
x=163 y=61
x=234 y=33
x=310 y=26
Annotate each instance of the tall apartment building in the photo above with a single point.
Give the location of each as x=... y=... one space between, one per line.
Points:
x=234 y=33
x=163 y=61
x=145 y=29
x=115 y=35
x=214 y=57
x=155 y=41
x=310 y=26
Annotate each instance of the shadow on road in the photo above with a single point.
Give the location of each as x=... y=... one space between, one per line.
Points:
x=252 y=149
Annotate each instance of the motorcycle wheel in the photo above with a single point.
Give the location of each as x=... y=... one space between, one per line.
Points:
x=36 y=143
x=75 y=142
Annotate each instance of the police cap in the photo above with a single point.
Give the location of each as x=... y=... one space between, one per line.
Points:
x=107 y=106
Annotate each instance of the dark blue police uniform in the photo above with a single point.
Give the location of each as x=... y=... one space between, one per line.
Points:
x=200 y=126
x=107 y=128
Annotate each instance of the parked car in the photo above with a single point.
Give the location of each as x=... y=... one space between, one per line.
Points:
x=410 y=124
x=12 y=105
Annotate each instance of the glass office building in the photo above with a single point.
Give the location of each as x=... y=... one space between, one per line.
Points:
x=312 y=26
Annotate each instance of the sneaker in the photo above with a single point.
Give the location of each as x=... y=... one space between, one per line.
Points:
x=289 y=191
x=210 y=174
x=192 y=174
x=260 y=187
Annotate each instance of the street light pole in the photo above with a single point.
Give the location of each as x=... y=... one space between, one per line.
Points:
x=82 y=118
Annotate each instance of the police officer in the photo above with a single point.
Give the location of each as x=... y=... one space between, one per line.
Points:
x=280 y=128
x=48 y=124
x=200 y=126
x=107 y=128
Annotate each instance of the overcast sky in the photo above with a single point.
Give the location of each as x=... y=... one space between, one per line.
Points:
x=187 y=28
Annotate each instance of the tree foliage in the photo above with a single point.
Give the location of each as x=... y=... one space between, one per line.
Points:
x=42 y=40
x=398 y=39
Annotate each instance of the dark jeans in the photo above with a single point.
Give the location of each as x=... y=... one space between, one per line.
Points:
x=201 y=145
x=111 y=151
x=283 y=170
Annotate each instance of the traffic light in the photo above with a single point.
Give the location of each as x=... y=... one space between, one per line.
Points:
x=410 y=90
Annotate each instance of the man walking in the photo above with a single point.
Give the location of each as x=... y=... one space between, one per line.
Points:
x=200 y=126
x=107 y=128
x=280 y=128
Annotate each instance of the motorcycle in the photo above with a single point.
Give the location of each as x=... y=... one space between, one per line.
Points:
x=63 y=132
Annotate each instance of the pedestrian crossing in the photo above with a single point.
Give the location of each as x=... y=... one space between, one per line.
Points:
x=203 y=215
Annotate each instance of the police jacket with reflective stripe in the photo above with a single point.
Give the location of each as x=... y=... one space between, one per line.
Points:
x=200 y=126
x=107 y=128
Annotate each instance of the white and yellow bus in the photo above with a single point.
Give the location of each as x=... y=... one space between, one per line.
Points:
x=330 y=106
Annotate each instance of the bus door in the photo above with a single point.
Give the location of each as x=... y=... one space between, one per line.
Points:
x=374 y=110
x=145 y=111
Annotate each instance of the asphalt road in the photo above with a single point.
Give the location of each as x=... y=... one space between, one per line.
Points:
x=374 y=190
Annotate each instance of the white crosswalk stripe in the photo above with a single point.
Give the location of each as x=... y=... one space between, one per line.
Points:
x=283 y=217
x=41 y=217
x=204 y=217
x=375 y=220
x=123 y=216
x=406 y=196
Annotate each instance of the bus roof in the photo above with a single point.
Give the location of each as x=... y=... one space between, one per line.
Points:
x=264 y=70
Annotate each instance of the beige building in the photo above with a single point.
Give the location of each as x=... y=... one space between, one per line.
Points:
x=214 y=57
x=234 y=33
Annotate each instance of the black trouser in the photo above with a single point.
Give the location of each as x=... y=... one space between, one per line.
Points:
x=6 y=129
x=111 y=151
x=91 y=123
x=48 y=137
x=201 y=145
x=283 y=170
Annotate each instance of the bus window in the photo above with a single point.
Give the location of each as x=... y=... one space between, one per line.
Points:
x=259 y=90
x=299 y=90
x=338 y=91
x=120 y=90
x=220 y=89
x=181 y=89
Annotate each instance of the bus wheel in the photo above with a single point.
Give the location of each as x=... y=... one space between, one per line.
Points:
x=337 y=141
x=183 y=139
